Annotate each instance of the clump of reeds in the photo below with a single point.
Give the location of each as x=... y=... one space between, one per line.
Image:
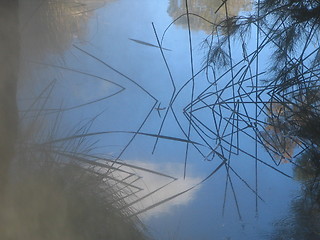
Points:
x=50 y=199
x=50 y=195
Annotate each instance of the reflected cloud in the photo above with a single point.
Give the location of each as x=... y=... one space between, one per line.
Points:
x=156 y=188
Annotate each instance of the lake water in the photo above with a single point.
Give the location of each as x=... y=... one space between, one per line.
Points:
x=92 y=71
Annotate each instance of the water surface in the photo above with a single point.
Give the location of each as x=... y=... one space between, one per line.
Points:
x=131 y=86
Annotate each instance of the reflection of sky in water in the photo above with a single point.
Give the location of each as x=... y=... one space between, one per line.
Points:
x=197 y=214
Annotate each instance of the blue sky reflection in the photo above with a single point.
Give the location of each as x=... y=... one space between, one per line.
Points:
x=198 y=213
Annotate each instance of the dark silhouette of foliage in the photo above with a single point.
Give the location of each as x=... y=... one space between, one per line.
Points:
x=303 y=221
x=307 y=169
x=290 y=28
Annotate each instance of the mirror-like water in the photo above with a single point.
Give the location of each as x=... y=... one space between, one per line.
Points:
x=137 y=119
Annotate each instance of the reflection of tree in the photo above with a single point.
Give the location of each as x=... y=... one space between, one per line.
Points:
x=290 y=28
x=303 y=222
x=304 y=219
x=291 y=36
x=292 y=122
x=52 y=26
x=299 y=120
x=206 y=9
x=308 y=167
x=275 y=133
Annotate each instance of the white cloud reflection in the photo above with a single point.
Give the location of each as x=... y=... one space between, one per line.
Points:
x=150 y=182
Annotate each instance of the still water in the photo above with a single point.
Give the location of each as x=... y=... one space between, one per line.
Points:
x=156 y=120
